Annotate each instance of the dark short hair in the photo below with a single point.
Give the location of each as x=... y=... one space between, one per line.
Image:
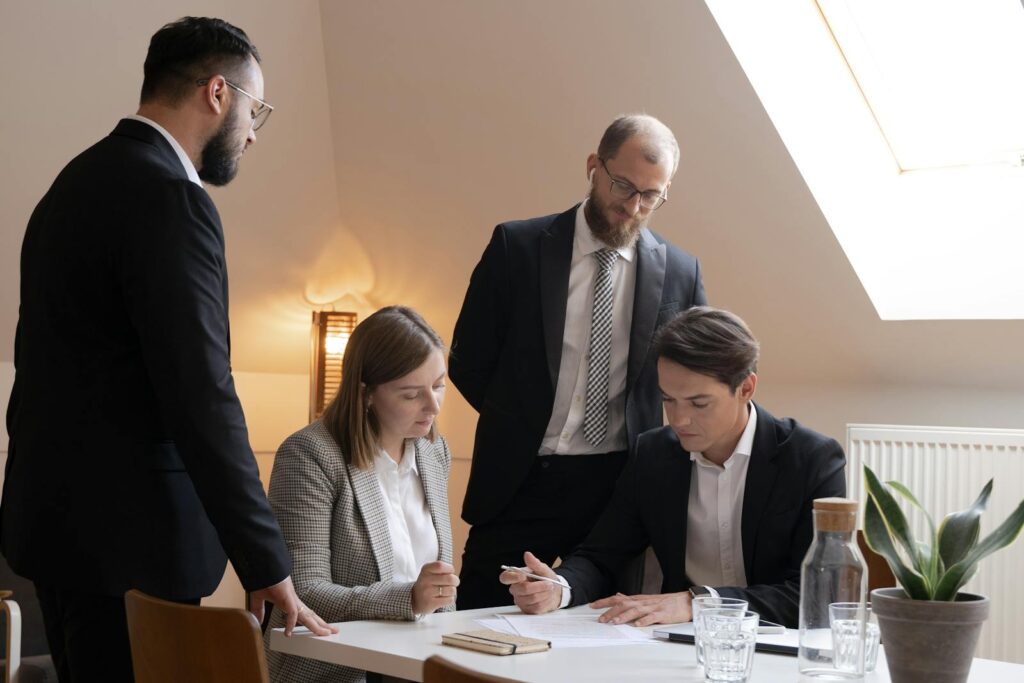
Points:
x=711 y=342
x=389 y=344
x=629 y=125
x=190 y=49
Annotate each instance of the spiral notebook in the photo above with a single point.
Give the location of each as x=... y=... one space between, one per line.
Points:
x=495 y=643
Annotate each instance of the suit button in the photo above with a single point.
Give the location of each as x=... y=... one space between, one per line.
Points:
x=544 y=464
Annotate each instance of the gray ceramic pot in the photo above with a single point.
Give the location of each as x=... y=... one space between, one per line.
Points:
x=926 y=640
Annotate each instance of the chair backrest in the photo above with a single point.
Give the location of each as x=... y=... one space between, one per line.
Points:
x=437 y=669
x=879 y=573
x=33 y=632
x=174 y=642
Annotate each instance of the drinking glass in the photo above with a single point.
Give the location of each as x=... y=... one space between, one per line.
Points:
x=710 y=602
x=729 y=637
x=845 y=619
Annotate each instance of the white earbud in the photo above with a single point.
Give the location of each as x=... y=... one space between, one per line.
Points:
x=591 y=176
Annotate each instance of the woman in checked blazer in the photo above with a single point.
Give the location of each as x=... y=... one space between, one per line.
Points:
x=362 y=493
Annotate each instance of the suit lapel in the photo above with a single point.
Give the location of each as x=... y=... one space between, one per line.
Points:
x=674 y=513
x=371 y=505
x=762 y=472
x=555 y=260
x=650 y=278
x=435 y=489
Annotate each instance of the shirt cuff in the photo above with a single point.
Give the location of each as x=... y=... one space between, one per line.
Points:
x=712 y=592
x=566 y=592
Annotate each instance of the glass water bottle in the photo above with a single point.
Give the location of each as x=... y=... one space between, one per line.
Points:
x=832 y=571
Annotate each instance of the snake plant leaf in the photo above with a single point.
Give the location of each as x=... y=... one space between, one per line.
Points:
x=959 y=531
x=892 y=515
x=957 y=575
x=876 y=533
x=928 y=559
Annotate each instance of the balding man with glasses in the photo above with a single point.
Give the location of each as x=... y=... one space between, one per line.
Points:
x=129 y=462
x=553 y=349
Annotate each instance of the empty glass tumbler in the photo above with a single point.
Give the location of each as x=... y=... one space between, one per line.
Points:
x=729 y=636
x=853 y=627
x=706 y=602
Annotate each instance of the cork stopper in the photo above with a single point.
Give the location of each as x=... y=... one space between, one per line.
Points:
x=835 y=515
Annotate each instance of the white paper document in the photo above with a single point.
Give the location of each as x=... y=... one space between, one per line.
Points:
x=571 y=630
x=496 y=623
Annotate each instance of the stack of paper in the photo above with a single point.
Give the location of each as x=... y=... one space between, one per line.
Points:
x=567 y=630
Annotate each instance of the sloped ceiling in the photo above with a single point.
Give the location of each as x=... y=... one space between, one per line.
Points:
x=406 y=131
x=452 y=116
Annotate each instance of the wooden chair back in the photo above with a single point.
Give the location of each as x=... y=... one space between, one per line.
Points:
x=172 y=642
x=879 y=574
x=439 y=670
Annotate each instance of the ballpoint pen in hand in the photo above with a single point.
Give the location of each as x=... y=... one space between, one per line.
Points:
x=530 y=575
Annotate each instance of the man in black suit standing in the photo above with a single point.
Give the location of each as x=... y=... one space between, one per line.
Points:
x=129 y=462
x=552 y=348
x=723 y=494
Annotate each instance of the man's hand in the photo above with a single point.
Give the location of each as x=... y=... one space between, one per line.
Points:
x=434 y=588
x=532 y=596
x=644 y=610
x=283 y=596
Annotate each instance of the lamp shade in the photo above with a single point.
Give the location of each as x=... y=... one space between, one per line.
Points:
x=330 y=333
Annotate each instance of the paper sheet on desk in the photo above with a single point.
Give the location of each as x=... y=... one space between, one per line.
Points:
x=568 y=630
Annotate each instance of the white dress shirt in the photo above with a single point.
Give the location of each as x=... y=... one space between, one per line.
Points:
x=190 y=168
x=714 y=539
x=564 y=435
x=413 y=536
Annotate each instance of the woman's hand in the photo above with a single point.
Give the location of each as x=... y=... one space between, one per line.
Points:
x=435 y=588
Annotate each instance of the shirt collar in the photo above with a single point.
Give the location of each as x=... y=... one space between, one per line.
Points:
x=744 y=447
x=190 y=169
x=408 y=464
x=587 y=244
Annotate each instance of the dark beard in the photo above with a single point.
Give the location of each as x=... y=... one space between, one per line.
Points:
x=616 y=238
x=219 y=157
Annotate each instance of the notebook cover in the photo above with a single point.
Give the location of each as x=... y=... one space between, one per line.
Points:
x=494 y=642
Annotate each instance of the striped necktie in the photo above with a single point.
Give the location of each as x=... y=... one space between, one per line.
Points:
x=595 y=416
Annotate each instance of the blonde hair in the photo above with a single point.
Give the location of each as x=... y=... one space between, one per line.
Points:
x=389 y=344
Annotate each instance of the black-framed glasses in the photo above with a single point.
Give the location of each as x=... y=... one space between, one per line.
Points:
x=259 y=115
x=650 y=200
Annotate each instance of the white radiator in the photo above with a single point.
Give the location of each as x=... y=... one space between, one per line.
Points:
x=946 y=468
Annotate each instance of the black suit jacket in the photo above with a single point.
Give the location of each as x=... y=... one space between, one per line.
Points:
x=129 y=462
x=507 y=345
x=789 y=467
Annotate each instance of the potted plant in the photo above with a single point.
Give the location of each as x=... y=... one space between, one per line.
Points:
x=930 y=628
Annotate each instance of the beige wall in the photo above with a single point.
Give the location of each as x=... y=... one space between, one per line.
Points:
x=72 y=69
x=404 y=131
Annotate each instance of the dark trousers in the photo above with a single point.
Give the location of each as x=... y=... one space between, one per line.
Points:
x=550 y=515
x=88 y=635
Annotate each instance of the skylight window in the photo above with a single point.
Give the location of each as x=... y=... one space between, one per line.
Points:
x=942 y=78
x=906 y=120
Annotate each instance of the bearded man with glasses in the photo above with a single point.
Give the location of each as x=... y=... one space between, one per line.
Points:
x=552 y=348
x=129 y=462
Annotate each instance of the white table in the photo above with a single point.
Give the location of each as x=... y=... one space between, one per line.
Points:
x=399 y=648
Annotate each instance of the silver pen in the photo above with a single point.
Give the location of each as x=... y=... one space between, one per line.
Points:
x=529 y=575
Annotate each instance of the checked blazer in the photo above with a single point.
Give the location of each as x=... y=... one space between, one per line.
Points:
x=334 y=524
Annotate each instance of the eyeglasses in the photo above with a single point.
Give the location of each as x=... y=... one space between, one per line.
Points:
x=651 y=200
x=259 y=115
